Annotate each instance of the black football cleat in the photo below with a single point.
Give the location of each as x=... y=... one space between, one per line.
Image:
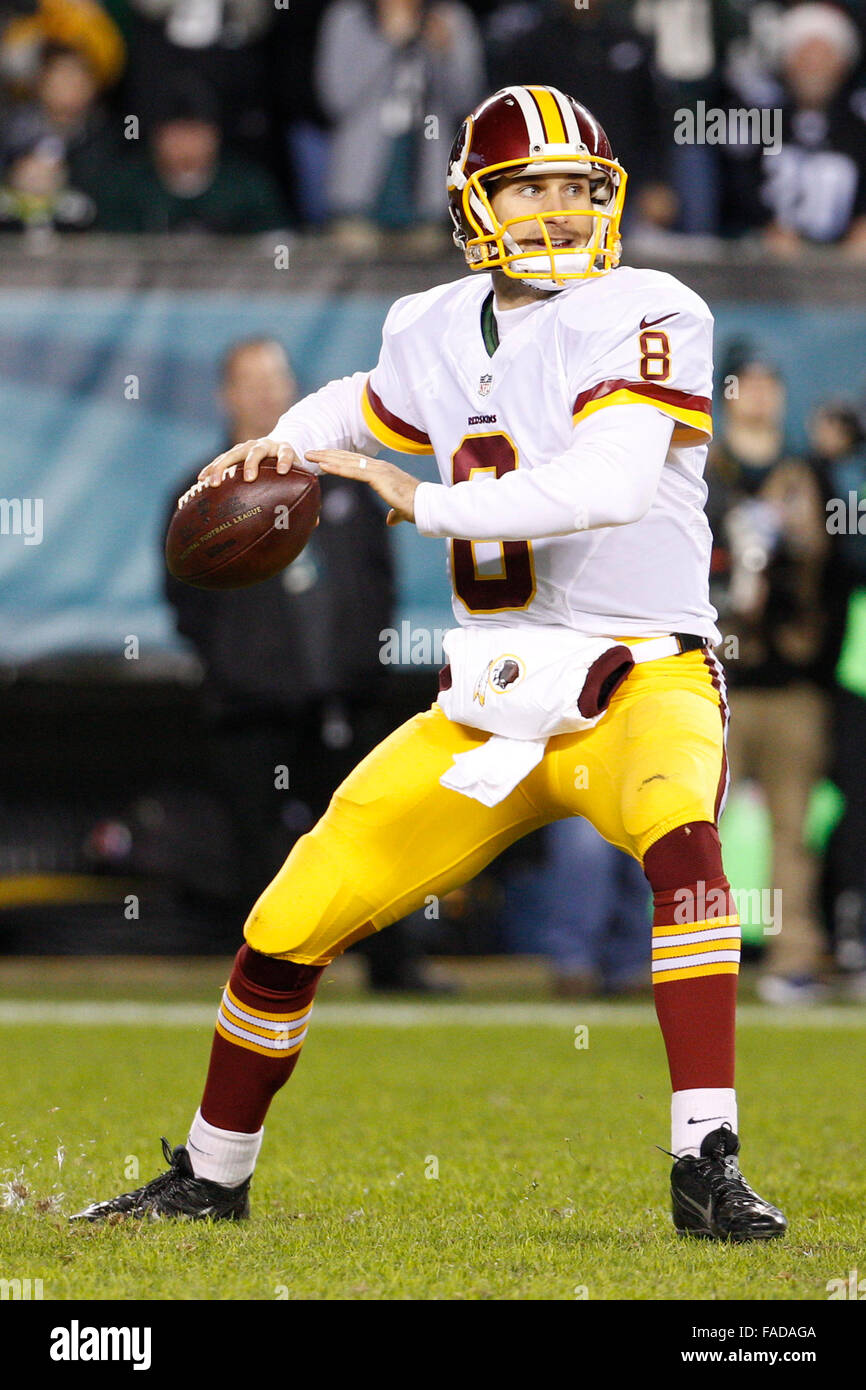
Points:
x=177 y=1193
x=711 y=1198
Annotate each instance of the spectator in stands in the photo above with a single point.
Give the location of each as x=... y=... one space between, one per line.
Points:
x=766 y=512
x=303 y=125
x=598 y=57
x=691 y=42
x=35 y=191
x=813 y=189
x=395 y=77
x=292 y=672
x=225 y=44
x=65 y=109
x=82 y=25
x=838 y=452
x=836 y=439
x=186 y=182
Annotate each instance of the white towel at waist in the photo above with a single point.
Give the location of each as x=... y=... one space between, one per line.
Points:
x=523 y=686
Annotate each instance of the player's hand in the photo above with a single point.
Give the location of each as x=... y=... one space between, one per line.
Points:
x=393 y=485
x=251 y=453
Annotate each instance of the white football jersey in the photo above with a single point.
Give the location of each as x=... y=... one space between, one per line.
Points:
x=630 y=338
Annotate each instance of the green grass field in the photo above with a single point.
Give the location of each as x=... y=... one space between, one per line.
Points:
x=549 y=1185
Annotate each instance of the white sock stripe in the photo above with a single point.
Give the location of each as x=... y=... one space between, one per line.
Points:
x=278 y=1041
x=272 y=1044
x=277 y=1025
x=692 y=938
x=685 y=962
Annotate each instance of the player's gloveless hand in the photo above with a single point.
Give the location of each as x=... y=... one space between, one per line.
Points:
x=250 y=453
x=393 y=485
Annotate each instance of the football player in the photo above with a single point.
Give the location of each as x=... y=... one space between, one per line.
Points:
x=567 y=403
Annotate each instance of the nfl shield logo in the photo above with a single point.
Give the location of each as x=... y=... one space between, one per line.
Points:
x=484 y=385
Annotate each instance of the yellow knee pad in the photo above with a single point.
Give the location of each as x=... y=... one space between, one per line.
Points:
x=660 y=798
x=310 y=912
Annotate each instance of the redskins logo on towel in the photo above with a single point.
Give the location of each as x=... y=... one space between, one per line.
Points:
x=499 y=674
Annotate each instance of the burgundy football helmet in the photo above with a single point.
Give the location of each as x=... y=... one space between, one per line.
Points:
x=514 y=130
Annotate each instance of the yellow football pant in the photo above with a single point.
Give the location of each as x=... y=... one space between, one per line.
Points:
x=392 y=835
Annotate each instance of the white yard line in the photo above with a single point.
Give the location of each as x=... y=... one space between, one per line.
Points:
x=98 y=1013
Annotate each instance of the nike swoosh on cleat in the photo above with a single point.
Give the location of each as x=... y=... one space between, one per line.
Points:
x=706 y=1212
x=707 y=1120
x=651 y=323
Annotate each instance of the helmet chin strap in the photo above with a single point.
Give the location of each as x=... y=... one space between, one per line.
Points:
x=563 y=262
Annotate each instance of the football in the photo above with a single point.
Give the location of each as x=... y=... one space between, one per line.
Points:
x=239 y=533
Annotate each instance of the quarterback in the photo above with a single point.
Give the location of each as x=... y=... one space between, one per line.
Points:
x=566 y=400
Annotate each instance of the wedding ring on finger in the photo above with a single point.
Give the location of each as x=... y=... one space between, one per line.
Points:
x=362 y=463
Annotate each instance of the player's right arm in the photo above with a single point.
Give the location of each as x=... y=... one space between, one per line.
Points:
x=250 y=453
x=330 y=418
x=361 y=412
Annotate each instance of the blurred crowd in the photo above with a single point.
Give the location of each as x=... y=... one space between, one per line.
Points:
x=788 y=578
x=245 y=116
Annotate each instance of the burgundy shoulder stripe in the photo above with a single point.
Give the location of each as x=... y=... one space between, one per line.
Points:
x=666 y=394
x=393 y=421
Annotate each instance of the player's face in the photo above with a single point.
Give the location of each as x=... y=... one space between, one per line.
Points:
x=530 y=193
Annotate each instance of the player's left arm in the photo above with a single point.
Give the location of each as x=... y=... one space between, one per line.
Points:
x=393 y=484
x=608 y=477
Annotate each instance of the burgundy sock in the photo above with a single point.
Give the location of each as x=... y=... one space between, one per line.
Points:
x=694 y=983
x=260 y=1029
